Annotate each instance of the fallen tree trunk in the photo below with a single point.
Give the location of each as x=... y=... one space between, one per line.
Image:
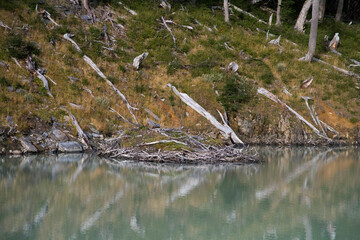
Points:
x=274 y=98
x=68 y=37
x=47 y=15
x=226 y=131
x=4 y=25
x=337 y=68
x=81 y=134
x=246 y=13
x=171 y=33
x=97 y=70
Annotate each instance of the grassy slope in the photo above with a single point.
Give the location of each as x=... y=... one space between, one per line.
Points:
x=268 y=67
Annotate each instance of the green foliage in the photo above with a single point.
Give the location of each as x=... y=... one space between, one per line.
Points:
x=235 y=92
x=175 y=65
x=140 y=88
x=4 y=82
x=353 y=120
x=19 y=48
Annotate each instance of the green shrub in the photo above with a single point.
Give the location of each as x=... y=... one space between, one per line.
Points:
x=19 y=48
x=235 y=92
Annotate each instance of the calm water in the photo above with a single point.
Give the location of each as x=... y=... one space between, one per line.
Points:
x=300 y=193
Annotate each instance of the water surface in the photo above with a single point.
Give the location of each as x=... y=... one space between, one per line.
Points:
x=299 y=193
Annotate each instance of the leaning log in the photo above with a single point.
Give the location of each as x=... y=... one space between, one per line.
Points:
x=274 y=98
x=81 y=133
x=246 y=13
x=226 y=131
x=171 y=33
x=97 y=70
x=4 y=25
x=68 y=37
x=349 y=73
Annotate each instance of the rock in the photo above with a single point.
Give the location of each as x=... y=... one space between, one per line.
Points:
x=19 y=90
x=69 y=147
x=85 y=18
x=246 y=127
x=58 y=135
x=152 y=124
x=28 y=147
x=10 y=89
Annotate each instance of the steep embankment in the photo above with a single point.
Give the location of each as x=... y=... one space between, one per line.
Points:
x=196 y=62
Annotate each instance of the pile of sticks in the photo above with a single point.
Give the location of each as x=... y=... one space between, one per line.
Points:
x=197 y=157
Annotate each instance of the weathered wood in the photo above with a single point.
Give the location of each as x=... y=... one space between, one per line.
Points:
x=270 y=19
x=163 y=141
x=246 y=13
x=132 y=12
x=334 y=43
x=68 y=37
x=350 y=73
x=339 y=10
x=274 y=98
x=226 y=10
x=97 y=70
x=275 y=41
x=81 y=133
x=139 y=59
x=4 y=25
x=299 y=26
x=226 y=131
x=278 y=13
x=233 y=67
x=313 y=30
x=307 y=82
x=171 y=33
x=46 y=14
x=164 y=4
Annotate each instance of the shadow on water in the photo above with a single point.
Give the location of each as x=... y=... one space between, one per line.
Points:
x=299 y=193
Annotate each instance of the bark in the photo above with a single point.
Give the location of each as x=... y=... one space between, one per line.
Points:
x=313 y=31
x=278 y=11
x=226 y=10
x=299 y=26
x=86 y=5
x=322 y=10
x=339 y=10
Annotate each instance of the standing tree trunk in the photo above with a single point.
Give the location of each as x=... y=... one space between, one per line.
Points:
x=313 y=30
x=339 y=10
x=226 y=10
x=299 y=26
x=86 y=5
x=322 y=10
x=278 y=11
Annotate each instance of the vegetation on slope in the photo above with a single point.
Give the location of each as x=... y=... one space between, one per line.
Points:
x=196 y=64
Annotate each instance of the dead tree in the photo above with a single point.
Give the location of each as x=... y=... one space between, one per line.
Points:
x=299 y=26
x=339 y=10
x=278 y=11
x=226 y=10
x=322 y=10
x=313 y=31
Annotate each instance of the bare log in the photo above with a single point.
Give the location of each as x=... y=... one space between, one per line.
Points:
x=76 y=106
x=46 y=14
x=139 y=59
x=208 y=28
x=81 y=134
x=329 y=128
x=171 y=33
x=349 y=73
x=132 y=12
x=68 y=37
x=275 y=41
x=246 y=13
x=226 y=10
x=4 y=25
x=274 y=98
x=307 y=105
x=97 y=70
x=226 y=131
x=163 y=141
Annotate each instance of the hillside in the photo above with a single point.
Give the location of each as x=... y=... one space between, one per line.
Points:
x=195 y=63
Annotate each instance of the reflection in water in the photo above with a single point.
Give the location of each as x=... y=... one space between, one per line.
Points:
x=299 y=193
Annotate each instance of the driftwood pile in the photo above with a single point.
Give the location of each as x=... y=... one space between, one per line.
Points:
x=213 y=156
x=189 y=150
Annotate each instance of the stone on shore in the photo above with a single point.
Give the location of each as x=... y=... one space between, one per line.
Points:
x=58 y=135
x=69 y=147
x=27 y=146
